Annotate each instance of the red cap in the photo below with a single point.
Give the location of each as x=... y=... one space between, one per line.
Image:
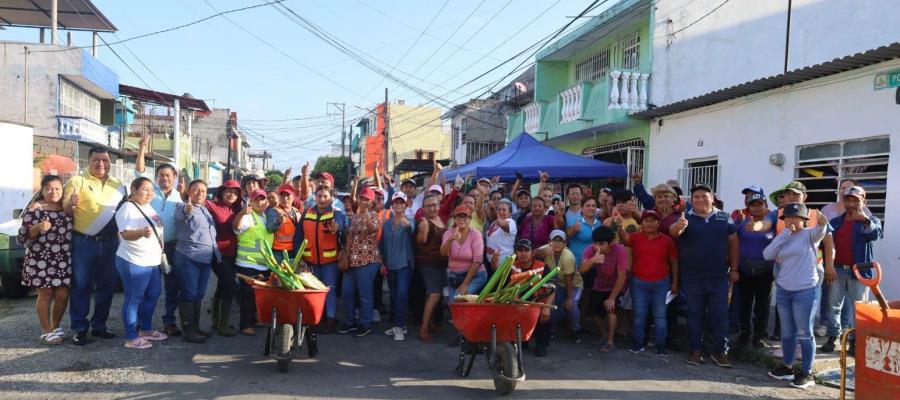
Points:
x=257 y=194
x=327 y=176
x=231 y=184
x=367 y=193
x=650 y=213
x=286 y=188
x=462 y=209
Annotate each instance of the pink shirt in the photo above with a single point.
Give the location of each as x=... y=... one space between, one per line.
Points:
x=463 y=255
x=607 y=272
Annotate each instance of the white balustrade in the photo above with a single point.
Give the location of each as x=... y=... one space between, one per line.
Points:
x=571 y=105
x=82 y=130
x=532 y=117
x=628 y=90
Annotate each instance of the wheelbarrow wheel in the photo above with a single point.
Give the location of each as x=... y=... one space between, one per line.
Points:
x=506 y=367
x=284 y=336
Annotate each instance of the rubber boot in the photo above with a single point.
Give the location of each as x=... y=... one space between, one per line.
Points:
x=197 y=308
x=214 y=317
x=223 y=327
x=190 y=335
x=312 y=343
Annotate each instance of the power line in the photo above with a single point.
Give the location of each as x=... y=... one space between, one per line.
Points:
x=700 y=19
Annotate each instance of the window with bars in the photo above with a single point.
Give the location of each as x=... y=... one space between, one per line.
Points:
x=700 y=170
x=631 y=46
x=821 y=167
x=593 y=68
x=75 y=102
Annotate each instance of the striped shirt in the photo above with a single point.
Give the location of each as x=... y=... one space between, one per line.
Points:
x=96 y=211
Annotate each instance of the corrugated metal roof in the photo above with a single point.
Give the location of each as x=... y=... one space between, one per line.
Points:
x=150 y=96
x=80 y=15
x=836 y=66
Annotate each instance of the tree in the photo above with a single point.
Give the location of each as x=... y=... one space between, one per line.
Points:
x=276 y=178
x=337 y=167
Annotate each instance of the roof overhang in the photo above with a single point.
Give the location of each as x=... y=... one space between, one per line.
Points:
x=168 y=99
x=594 y=30
x=90 y=86
x=836 y=66
x=74 y=15
x=415 y=165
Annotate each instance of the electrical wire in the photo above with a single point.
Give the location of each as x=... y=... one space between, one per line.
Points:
x=699 y=19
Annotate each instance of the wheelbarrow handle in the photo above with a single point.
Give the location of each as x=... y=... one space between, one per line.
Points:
x=873 y=282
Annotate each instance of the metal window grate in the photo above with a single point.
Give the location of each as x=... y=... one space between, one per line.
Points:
x=704 y=171
x=618 y=146
x=593 y=68
x=821 y=167
x=631 y=46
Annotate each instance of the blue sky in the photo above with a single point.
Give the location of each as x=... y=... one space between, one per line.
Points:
x=216 y=60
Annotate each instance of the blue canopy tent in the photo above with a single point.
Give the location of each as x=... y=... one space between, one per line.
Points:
x=527 y=155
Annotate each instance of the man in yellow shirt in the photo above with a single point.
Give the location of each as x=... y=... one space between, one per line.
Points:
x=92 y=199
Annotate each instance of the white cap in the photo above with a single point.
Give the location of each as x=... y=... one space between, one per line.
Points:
x=557 y=233
x=436 y=188
x=259 y=174
x=398 y=195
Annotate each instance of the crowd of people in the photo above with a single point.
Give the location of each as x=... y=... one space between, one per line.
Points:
x=623 y=256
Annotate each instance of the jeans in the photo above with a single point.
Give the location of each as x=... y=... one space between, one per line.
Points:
x=845 y=287
x=191 y=278
x=358 y=281
x=797 y=310
x=173 y=294
x=754 y=300
x=142 y=286
x=574 y=315
x=226 y=281
x=455 y=279
x=825 y=309
x=328 y=274
x=246 y=297
x=93 y=270
x=398 y=282
x=707 y=298
x=647 y=297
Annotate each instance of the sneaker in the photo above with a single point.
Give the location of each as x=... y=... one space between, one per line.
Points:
x=696 y=358
x=390 y=332
x=80 y=338
x=636 y=348
x=828 y=346
x=399 y=335
x=360 y=332
x=347 y=329
x=803 y=380
x=662 y=353
x=721 y=360
x=376 y=316
x=782 y=373
x=820 y=331
x=103 y=334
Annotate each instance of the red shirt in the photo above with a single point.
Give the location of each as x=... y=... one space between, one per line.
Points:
x=223 y=215
x=843 y=244
x=650 y=257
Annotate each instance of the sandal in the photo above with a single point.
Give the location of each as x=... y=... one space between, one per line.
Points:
x=51 y=339
x=60 y=332
x=153 y=336
x=140 y=343
x=608 y=347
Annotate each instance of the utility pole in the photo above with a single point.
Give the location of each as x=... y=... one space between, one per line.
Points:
x=387 y=136
x=342 y=107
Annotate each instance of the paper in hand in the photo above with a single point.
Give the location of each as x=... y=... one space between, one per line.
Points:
x=670 y=296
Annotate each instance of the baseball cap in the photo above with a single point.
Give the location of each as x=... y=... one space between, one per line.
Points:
x=257 y=194
x=485 y=180
x=367 y=193
x=462 y=209
x=523 y=244
x=752 y=189
x=794 y=186
x=327 y=176
x=380 y=191
x=701 y=186
x=649 y=214
x=408 y=182
x=673 y=183
x=231 y=184
x=856 y=191
x=557 y=233
x=523 y=191
x=399 y=195
x=286 y=188
x=436 y=188
x=754 y=198
x=259 y=174
x=795 y=210
x=606 y=189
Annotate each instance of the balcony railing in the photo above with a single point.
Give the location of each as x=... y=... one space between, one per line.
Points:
x=83 y=130
x=532 y=117
x=572 y=103
x=628 y=90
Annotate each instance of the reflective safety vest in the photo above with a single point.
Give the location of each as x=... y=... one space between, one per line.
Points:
x=251 y=243
x=284 y=236
x=813 y=220
x=321 y=246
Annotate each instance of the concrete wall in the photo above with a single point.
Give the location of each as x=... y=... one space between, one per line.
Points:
x=213 y=132
x=43 y=83
x=743 y=133
x=745 y=40
x=16 y=160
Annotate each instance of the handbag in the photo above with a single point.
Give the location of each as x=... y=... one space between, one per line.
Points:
x=164 y=261
x=754 y=268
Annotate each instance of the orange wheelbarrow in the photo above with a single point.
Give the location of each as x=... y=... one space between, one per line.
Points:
x=877 y=351
x=289 y=314
x=496 y=331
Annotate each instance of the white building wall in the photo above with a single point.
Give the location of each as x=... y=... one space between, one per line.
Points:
x=743 y=133
x=16 y=160
x=745 y=40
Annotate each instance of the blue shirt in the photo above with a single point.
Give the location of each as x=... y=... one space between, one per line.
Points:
x=753 y=243
x=397 y=246
x=583 y=238
x=703 y=246
x=164 y=207
x=196 y=234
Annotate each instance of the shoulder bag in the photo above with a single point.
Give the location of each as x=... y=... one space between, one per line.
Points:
x=164 y=261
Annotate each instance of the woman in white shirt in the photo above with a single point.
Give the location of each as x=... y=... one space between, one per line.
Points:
x=137 y=260
x=501 y=235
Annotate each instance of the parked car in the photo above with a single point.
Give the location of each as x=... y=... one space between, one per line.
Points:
x=12 y=255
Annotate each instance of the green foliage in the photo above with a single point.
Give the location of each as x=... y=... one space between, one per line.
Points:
x=276 y=178
x=337 y=167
